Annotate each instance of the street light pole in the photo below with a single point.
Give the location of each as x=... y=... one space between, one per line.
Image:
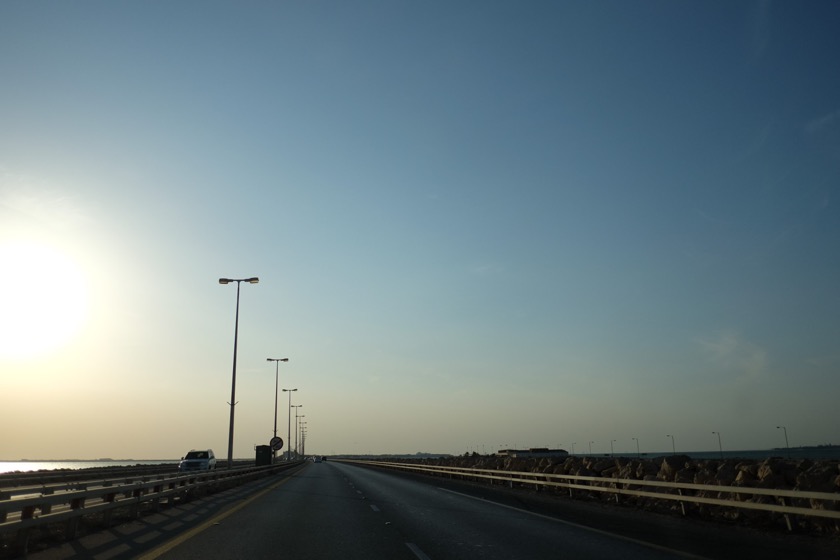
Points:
x=252 y=280
x=590 y=447
x=296 y=407
x=638 y=453
x=612 y=451
x=786 y=439
x=673 y=445
x=720 y=445
x=302 y=432
x=289 y=433
x=276 y=386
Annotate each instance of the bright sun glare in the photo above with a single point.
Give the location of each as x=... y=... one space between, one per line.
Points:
x=43 y=299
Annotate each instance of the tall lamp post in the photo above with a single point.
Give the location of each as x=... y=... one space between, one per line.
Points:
x=296 y=407
x=720 y=445
x=302 y=432
x=612 y=451
x=590 y=447
x=673 y=445
x=786 y=439
x=289 y=433
x=252 y=280
x=276 y=386
x=638 y=452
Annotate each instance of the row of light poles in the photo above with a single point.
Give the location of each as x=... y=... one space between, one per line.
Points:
x=674 y=445
x=255 y=280
x=612 y=449
x=787 y=444
x=289 y=433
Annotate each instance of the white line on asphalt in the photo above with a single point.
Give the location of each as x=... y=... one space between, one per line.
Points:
x=592 y=529
x=373 y=507
x=416 y=550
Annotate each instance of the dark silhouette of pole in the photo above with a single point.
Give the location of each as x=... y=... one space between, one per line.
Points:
x=289 y=433
x=276 y=386
x=786 y=439
x=673 y=445
x=638 y=453
x=299 y=447
x=720 y=445
x=253 y=280
x=276 y=380
x=296 y=407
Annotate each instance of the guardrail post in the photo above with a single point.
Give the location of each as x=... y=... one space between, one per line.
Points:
x=73 y=522
x=137 y=494
x=46 y=508
x=108 y=498
x=787 y=517
x=23 y=541
x=682 y=504
x=158 y=488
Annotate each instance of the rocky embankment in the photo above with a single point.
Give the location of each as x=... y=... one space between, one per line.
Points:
x=771 y=473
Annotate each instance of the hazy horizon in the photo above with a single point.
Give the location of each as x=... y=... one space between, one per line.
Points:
x=475 y=225
x=646 y=454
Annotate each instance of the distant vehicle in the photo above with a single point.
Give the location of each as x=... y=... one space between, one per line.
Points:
x=198 y=460
x=317 y=458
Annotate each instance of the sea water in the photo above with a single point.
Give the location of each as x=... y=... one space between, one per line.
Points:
x=31 y=466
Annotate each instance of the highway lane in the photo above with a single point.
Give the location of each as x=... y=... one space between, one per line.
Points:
x=314 y=514
x=332 y=510
x=335 y=510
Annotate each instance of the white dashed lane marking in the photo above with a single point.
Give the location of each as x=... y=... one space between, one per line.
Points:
x=417 y=552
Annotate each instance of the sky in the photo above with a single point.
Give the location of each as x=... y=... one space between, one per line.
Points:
x=476 y=225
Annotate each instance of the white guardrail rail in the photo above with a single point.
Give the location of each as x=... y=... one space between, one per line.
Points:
x=819 y=504
x=25 y=507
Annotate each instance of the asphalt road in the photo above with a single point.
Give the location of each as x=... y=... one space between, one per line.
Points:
x=333 y=510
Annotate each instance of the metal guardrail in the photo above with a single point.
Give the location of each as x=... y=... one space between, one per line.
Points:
x=44 y=477
x=819 y=503
x=25 y=507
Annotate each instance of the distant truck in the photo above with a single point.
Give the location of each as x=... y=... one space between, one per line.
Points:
x=198 y=460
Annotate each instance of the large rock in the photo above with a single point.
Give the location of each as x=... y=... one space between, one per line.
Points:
x=671 y=465
x=686 y=475
x=725 y=474
x=646 y=469
x=818 y=478
x=602 y=465
x=776 y=473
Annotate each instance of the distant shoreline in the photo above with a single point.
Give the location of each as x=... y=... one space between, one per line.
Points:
x=751 y=452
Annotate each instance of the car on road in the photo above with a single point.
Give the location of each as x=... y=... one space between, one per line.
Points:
x=197 y=460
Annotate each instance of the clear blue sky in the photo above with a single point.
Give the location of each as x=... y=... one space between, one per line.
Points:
x=476 y=224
